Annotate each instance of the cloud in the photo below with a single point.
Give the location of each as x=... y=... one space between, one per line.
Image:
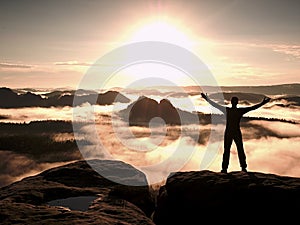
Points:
x=13 y=65
x=72 y=63
x=274 y=111
x=283 y=130
x=292 y=50
x=288 y=49
x=273 y=155
x=77 y=63
x=270 y=155
x=28 y=114
x=15 y=167
x=250 y=62
x=265 y=144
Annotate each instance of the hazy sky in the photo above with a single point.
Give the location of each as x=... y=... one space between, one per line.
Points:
x=52 y=43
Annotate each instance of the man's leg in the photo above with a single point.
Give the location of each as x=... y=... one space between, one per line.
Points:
x=226 y=153
x=240 y=149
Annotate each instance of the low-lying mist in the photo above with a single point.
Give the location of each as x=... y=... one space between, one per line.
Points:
x=266 y=143
x=157 y=150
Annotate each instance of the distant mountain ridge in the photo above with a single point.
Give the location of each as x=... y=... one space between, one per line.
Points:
x=10 y=99
x=280 y=89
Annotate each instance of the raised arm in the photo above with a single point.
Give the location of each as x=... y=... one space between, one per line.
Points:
x=214 y=104
x=263 y=102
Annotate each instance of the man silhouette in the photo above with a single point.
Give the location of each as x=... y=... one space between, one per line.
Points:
x=232 y=130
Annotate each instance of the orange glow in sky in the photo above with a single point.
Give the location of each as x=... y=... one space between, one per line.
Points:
x=162 y=31
x=243 y=42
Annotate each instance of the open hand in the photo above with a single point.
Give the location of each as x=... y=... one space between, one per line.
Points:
x=266 y=99
x=204 y=96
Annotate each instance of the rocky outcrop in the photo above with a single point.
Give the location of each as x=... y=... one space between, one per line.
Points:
x=145 y=109
x=30 y=201
x=237 y=197
x=142 y=111
x=76 y=194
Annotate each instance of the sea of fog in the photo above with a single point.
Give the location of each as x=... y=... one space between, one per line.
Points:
x=187 y=103
x=270 y=146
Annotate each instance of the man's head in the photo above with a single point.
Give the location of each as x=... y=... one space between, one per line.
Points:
x=234 y=101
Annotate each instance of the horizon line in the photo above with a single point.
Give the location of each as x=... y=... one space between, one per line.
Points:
x=74 y=88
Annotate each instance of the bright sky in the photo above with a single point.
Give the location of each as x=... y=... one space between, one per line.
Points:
x=52 y=43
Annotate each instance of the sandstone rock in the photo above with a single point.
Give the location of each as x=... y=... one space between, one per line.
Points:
x=237 y=197
x=27 y=201
x=142 y=111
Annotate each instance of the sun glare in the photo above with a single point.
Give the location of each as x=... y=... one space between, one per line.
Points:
x=162 y=31
x=146 y=74
x=149 y=74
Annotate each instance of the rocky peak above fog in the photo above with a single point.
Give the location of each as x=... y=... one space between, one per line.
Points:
x=237 y=197
x=31 y=200
x=144 y=109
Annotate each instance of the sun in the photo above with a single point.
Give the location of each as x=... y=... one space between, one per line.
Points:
x=148 y=74
x=162 y=31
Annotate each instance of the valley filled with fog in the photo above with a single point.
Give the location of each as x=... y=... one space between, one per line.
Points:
x=36 y=135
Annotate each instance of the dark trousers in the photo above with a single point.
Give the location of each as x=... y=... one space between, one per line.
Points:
x=235 y=136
